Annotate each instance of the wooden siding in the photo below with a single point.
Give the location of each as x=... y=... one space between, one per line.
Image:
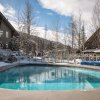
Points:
x=94 y=41
x=8 y=31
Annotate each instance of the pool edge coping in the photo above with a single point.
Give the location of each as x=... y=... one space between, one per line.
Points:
x=3 y=68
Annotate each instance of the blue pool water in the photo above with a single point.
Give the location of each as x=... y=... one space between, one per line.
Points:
x=49 y=78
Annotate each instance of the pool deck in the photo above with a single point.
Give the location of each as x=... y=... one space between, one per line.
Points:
x=49 y=95
x=84 y=66
x=8 y=66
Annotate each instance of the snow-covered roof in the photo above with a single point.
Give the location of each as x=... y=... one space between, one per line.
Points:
x=92 y=51
x=97 y=51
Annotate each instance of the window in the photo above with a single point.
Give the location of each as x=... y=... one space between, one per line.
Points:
x=6 y=45
x=1 y=32
x=7 y=34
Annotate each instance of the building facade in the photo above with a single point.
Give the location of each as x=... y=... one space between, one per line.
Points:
x=8 y=34
x=94 y=41
x=92 y=48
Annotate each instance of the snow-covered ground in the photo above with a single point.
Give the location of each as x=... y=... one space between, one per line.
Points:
x=24 y=61
x=3 y=64
x=77 y=61
x=29 y=61
x=38 y=60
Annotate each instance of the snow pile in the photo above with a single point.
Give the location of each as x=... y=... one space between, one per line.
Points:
x=78 y=61
x=3 y=64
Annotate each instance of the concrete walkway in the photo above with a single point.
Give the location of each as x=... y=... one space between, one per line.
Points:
x=49 y=95
x=76 y=65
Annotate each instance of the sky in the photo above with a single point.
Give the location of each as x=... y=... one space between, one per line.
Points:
x=47 y=11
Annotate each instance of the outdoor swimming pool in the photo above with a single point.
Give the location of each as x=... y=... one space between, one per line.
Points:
x=49 y=78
